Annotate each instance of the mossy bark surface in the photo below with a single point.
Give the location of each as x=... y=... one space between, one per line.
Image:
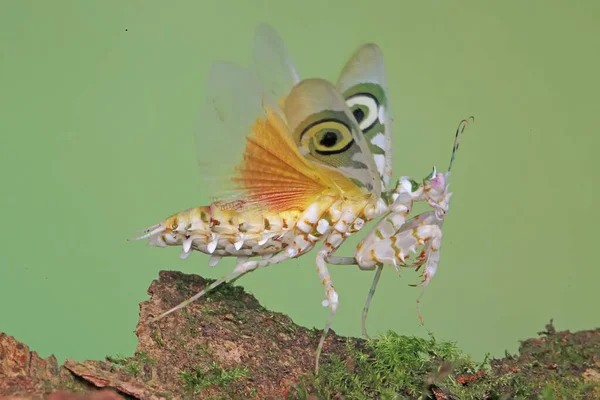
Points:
x=227 y=346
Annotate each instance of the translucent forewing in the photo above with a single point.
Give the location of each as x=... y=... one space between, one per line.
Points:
x=234 y=100
x=272 y=62
x=278 y=74
x=292 y=151
x=364 y=85
x=259 y=166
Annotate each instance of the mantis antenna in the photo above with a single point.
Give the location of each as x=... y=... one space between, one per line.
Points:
x=459 y=131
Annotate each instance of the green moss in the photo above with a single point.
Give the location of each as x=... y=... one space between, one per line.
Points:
x=241 y=316
x=390 y=366
x=196 y=380
x=181 y=287
x=569 y=389
x=397 y=367
x=131 y=366
x=226 y=291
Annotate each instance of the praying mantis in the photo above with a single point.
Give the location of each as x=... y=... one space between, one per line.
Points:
x=300 y=163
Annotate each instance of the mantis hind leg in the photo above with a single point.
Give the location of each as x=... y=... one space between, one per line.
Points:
x=240 y=270
x=347 y=261
x=331 y=300
x=365 y=311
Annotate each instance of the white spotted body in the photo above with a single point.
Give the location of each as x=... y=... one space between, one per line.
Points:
x=229 y=233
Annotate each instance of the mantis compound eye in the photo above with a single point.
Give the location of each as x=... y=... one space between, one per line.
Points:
x=408 y=185
x=432 y=175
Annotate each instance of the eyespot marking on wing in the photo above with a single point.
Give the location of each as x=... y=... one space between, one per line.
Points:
x=365 y=109
x=327 y=137
x=362 y=80
x=327 y=133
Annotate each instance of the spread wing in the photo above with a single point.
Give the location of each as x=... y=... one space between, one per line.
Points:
x=272 y=62
x=248 y=158
x=267 y=140
x=363 y=83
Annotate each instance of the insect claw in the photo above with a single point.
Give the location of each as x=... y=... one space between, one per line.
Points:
x=396 y=266
x=401 y=256
x=419 y=306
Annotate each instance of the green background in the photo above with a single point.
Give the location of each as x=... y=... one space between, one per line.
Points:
x=99 y=102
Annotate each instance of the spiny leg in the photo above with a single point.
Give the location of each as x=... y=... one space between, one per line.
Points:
x=423 y=229
x=441 y=197
x=331 y=301
x=380 y=237
x=381 y=245
x=376 y=239
x=243 y=261
x=385 y=228
x=352 y=261
x=197 y=295
x=431 y=261
x=342 y=261
x=239 y=271
x=365 y=311
x=332 y=243
x=394 y=238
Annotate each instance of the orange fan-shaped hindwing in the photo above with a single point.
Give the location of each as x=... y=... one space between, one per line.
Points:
x=273 y=172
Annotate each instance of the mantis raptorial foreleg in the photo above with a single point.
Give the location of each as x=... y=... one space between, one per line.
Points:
x=424 y=229
x=405 y=193
x=394 y=238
